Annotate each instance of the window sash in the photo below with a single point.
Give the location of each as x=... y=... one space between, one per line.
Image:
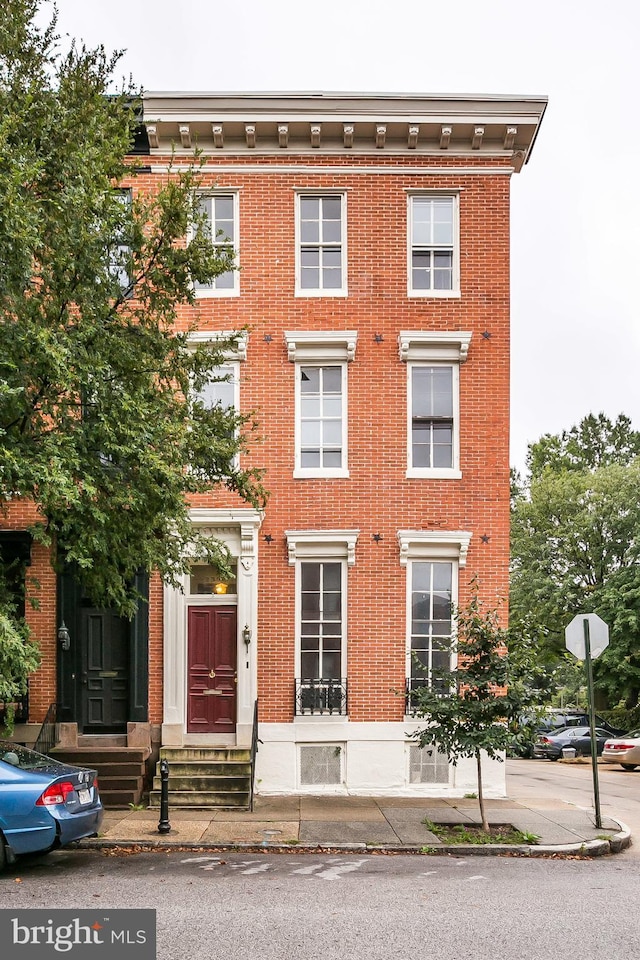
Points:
x=222 y=216
x=321 y=626
x=432 y=244
x=433 y=416
x=321 y=416
x=431 y=597
x=321 y=232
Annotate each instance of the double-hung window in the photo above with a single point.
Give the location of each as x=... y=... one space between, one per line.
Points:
x=221 y=389
x=432 y=559
x=321 y=559
x=220 y=211
x=433 y=401
x=321 y=361
x=321 y=244
x=434 y=254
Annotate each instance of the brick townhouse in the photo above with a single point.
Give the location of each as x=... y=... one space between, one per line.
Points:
x=372 y=240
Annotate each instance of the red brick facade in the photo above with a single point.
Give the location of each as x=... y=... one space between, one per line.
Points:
x=377 y=499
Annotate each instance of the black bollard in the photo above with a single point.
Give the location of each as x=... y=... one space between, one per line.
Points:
x=164 y=826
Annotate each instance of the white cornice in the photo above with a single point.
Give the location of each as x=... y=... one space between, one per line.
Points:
x=434 y=345
x=322 y=543
x=432 y=544
x=330 y=123
x=321 y=344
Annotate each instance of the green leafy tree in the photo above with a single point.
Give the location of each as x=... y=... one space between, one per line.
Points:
x=575 y=543
x=477 y=706
x=97 y=412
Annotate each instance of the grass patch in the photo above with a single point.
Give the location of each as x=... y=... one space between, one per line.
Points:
x=469 y=833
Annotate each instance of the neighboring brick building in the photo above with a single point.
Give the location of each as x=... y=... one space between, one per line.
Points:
x=372 y=234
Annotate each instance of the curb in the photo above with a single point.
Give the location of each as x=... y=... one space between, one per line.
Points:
x=586 y=848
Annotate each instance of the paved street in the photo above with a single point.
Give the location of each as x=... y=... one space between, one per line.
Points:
x=241 y=906
x=573 y=782
x=357 y=907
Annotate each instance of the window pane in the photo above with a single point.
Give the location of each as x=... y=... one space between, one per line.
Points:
x=224 y=208
x=310 y=606
x=332 y=407
x=332 y=379
x=331 y=257
x=442 y=576
x=331 y=666
x=310 y=379
x=310 y=257
x=310 y=279
x=310 y=407
x=332 y=576
x=310 y=208
x=331 y=433
x=309 y=666
x=310 y=576
x=421 y=576
x=310 y=433
x=332 y=459
x=331 y=279
x=332 y=231
x=310 y=231
x=332 y=604
x=331 y=643
x=310 y=458
x=332 y=208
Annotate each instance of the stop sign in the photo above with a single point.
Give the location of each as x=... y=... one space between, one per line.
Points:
x=598 y=635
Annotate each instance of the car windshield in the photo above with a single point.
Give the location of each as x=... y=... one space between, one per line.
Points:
x=18 y=756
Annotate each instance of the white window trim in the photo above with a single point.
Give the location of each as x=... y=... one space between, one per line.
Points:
x=320 y=292
x=455 y=280
x=232 y=356
x=434 y=348
x=431 y=546
x=318 y=348
x=203 y=294
x=315 y=558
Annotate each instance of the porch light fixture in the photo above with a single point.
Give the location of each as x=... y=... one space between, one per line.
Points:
x=64 y=636
x=220 y=587
x=246 y=635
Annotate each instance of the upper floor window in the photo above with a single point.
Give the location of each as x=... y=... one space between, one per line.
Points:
x=321 y=400
x=432 y=420
x=120 y=251
x=433 y=403
x=221 y=213
x=433 y=245
x=321 y=245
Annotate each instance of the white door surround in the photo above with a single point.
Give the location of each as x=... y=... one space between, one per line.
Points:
x=238 y=529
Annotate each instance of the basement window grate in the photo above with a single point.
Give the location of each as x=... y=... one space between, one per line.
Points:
x=428 y=764
x=321 y=765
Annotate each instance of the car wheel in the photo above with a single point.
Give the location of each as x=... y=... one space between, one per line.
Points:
x=554 y=758
x=628 y=766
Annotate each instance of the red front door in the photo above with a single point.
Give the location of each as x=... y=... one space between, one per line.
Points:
x=211 y=703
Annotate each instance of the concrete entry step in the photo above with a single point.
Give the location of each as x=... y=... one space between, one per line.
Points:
x=217 y=777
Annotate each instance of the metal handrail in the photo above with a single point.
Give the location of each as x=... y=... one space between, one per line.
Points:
x=254 y=750
x=48 y=735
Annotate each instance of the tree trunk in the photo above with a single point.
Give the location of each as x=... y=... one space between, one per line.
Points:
x=483 y=816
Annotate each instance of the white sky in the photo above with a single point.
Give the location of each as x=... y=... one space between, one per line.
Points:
x=575 y=206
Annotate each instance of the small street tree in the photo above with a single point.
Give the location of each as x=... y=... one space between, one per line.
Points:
x=476 y=706
x=101 y=428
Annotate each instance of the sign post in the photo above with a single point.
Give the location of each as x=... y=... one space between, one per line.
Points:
x=586 y=637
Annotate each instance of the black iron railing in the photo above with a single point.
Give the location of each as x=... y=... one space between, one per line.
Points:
x=254 y=750
x=48 y=736
x=321 y=697
x=414 y=684
x=20 y=709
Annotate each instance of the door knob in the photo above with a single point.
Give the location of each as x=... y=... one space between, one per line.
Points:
x=212 y=673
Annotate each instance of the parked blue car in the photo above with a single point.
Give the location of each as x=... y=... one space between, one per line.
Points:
x=44 y=804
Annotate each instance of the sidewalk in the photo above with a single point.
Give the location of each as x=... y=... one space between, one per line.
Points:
x=395 y=824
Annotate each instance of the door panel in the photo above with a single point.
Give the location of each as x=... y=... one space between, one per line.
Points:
x=104 y=687
x=211 y=700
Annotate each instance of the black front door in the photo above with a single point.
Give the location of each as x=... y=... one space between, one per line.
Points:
x=104 y=686
x=103 y=668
